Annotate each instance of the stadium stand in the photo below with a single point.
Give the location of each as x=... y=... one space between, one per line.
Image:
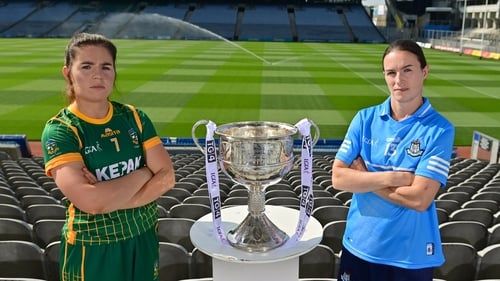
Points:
x=265 y=23
x=20 y=220
x=13 y=13
x=259 y=20
x=360 y=24
x=320 y=23
x=178 y=11
x=41 y=20
x=220 y=19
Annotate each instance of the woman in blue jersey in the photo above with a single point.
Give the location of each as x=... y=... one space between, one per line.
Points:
x=394 y=158
x=108 y=161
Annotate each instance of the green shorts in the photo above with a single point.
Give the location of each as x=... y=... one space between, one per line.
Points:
x=129 y=260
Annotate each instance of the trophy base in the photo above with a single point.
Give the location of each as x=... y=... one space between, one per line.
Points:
x=257 y=233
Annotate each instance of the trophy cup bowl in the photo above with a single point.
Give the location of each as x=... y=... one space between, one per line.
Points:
x=255 y=154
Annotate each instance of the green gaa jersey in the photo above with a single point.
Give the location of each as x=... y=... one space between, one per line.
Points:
x=110 y=147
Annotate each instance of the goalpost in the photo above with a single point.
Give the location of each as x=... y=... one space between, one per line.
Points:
x=485 y=147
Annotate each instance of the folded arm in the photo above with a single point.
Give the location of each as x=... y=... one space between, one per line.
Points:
x=98 y=197
x=401 y=188
x=355 y=178
x=418 y=196
x=160 y=164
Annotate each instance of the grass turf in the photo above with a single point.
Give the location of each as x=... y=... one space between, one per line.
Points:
x=179 y=82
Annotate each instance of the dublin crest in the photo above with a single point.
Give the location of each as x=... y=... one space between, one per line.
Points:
x=414 y=149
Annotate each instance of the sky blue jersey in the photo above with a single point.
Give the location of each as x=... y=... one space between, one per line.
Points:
x=380 y=231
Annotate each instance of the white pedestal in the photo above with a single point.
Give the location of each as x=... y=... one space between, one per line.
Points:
x=232 y=264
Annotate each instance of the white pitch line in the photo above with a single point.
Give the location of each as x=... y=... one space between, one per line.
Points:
x=467 y=87
x=382 y=89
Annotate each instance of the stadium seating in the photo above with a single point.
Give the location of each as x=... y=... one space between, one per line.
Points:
x=167 y=201
x=485 y=204
x=326 y=201
x=174 y=262
x=460 y=262
x=442 y=215
x=5 y=189
x=21 y=259
x=494 y=234
x=319 y=263
x=190 y=211
x=236 y=200
x=360 y=24
x=489 y=263
x=280 y=201
x=200 y=265
x=47 y=231
x=459 y=196
x=280 y=193
x=51 y=256
x=38 y=212
x=29 y=200
x=178 y=193
x=333 y=232
x=458 y=219
x=198 y=199
x=328 y=214
x=320 y=24
x=12 y=212
x=12 y=229
x=344 y=196
x=265 y=22
x=470 y=232
x=220 y=19
x=176 y=230
x=481 y=215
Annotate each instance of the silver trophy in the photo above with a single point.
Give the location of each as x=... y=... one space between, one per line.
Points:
x=255 y=154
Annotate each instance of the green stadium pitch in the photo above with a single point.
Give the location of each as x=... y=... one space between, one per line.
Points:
x=179 y=82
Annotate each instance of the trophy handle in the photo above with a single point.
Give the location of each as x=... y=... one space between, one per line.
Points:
x=193 y=134
x=316 y=133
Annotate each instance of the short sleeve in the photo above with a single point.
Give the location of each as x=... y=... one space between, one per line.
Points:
x=435 y=161
x=149 y=135
x=351 y=147
x=60 y=145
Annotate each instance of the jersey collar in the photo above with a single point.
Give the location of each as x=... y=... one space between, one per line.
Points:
x=422 y=111
x=99 y=121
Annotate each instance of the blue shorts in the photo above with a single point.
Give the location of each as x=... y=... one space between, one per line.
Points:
x=353 y=268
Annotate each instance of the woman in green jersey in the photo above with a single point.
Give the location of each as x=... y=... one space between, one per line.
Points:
x=111 y=165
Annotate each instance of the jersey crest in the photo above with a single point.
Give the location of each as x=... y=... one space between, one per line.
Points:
x=345 y=277
x=414 y=149
x=51 y=147
x=133 y=135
